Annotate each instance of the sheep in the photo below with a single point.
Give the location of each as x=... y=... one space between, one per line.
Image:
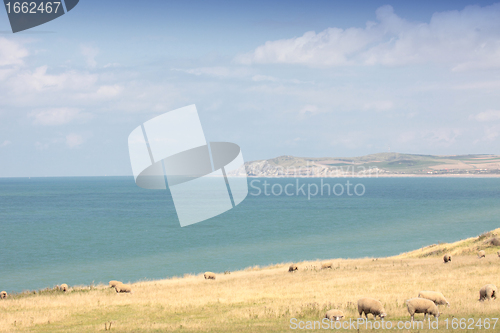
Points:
x=209 y=275
x=422 y=305
x=293 y=268
x=481 y=254
x=334 y=314
x=495 y=241
x=114 y=283
x=123 y=288
x=64 y=287
x=488 y=292
x=327 y=265
x=3 y=294
x=370 y=305
x=447 y=258
x=435 y=296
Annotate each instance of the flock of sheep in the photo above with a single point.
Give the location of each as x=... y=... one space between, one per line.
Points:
x=63 y=287
x=426 y=302
x=119 y=287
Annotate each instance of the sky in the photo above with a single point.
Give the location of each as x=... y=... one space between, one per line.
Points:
x=302 y=78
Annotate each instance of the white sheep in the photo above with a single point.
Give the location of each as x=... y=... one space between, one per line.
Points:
x=123 y=288
x=326 y=265
x=422 y=305
x=3 y=294
x=334 y=314
x=488 y=292
x=435 y=296
x=368 y=305
x=209 y=275
x=481 y=254
x=114 y=283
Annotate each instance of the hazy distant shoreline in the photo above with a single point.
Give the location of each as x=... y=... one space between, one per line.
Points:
x=394 y=176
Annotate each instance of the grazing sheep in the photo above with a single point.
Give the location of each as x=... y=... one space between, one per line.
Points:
x=3 y=294
x=293 y=268
x=123 y=288
x=488 y=292
x=422 y=305
x=368 y=305
x=327 y=265
x=209 y=275
x=64 y=287
x=435 y=296
x=447 y=258
x=334 y=314
x=114 y=283
x=495 y=241
x=481 y=254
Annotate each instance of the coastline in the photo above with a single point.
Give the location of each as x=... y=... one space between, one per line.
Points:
x=271 y=298
x=392 y=176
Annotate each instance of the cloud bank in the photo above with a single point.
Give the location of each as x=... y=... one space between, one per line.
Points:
x=465 y=39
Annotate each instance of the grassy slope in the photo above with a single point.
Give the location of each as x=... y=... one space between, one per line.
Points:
x=265 y=299
x=469 y=246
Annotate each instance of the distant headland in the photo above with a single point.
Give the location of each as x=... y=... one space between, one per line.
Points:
x=376 y=165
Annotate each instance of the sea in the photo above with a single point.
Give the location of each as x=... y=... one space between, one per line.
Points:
x=86 y=230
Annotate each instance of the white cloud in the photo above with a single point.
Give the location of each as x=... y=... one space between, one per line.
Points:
x=258 y=78
x=111 y=65
x=488 y=115
x=5 y=143
x=466 y=39
x=435 y=137
x=89 y=52
x=109 y=91
x=5 y=73
x=41 y=146
x=222 y=72
x=378 y=105
x=73 y=140
x=308 y=109
x=442 y=136
x=11 y=53
x=56 y=116
x=491 y=133
x=327 y=48
x=47 y=143
x=38 y=80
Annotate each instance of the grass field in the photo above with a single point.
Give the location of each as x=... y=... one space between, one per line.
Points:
x=267 y=299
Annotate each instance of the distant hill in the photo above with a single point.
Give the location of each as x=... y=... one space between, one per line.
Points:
x=381 y=164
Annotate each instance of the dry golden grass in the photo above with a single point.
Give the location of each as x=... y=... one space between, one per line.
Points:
x=463 y=247
x=264 y=299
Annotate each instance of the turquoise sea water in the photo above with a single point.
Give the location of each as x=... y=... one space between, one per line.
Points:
x=84 y=230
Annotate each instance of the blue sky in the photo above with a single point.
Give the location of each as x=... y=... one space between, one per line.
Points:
x=322 y=78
